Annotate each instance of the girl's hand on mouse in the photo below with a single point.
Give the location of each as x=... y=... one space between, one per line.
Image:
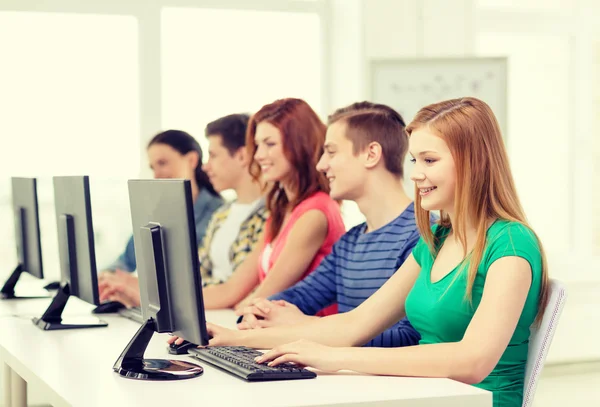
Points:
x=219 y=336
x=175 y=339
x=224 y=337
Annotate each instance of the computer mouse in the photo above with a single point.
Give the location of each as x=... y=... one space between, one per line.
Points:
x=181 y=349
x=108 y=307
x=55 y=285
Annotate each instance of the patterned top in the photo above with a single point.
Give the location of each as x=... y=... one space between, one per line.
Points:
x=250 y=231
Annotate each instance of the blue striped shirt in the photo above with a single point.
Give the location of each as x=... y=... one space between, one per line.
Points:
x=358 y=265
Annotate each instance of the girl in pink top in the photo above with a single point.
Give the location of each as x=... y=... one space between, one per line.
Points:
x=319 y=201
x=285 y=139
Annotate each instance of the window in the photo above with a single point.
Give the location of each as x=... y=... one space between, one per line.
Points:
x=69 y=106
x=217 y=62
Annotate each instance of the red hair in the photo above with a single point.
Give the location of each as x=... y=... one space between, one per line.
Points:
x=302 y=136
x=485 y=188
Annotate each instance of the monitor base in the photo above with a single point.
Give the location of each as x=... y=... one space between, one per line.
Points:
x=26 y=295
x=52 y=319
x=132 y=365
x=7 y=292
x=158 y=369
x=69 y=323
x=53 y=286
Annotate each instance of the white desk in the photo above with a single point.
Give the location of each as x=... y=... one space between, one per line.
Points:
x=75 y=367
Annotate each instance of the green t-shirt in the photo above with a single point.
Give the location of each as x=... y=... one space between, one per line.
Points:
x=440 y=312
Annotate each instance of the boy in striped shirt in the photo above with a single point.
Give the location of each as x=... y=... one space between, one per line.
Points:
x=363 y=159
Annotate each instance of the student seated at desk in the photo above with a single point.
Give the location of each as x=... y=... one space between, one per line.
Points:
x=176 y=154
x=365 y=148
x=235 y=228
x=472 y=287
x=237 y=225
x=286 y=140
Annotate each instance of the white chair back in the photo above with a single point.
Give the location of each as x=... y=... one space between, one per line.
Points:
x=541 y=338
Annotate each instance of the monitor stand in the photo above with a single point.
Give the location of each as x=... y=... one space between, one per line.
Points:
x=52 y=319
x=8 y=290
x=131 y=363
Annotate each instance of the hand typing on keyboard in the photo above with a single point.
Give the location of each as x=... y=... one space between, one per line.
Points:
x=249 y=364
x=306 y=353
x=119 y=286
x=241 y=361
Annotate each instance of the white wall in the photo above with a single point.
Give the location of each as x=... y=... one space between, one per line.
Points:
x=551 y=48
x=596 y=147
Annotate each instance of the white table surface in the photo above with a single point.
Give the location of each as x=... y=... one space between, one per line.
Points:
x=75 y=367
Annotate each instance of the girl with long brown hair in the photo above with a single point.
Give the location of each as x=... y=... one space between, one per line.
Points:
x=286 y=140
x=472 y=287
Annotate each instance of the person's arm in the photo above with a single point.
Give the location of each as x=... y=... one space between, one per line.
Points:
x=470 y=360
x=238 y=286
x=304 y=241
x=316 y=291
x=354 y=328
x=401 y=334
x=120 y=286
x=126 y=261
x=298 y=303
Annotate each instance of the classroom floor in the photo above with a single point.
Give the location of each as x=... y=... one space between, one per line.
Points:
x=575 y=385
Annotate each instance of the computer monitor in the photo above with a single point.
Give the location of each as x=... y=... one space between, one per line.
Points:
x=76 y=254
x=27 y=237
x=164 y=235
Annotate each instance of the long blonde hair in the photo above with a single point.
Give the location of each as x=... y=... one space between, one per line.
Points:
x=485 y=188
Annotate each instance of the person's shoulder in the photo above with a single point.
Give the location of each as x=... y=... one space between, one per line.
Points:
x=257 y=219
x=319 y=201
x=219 y=216
x=354 y=231
x=207 y=200
x=407 y=218
x=261 y=212
x=216 y=200
x=223 y=209
x=261 y=204
x=318 y=198
x=505 y=231
x=506 y=238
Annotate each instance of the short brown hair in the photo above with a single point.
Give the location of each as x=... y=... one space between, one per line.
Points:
x=372 y=122
x=232 y=129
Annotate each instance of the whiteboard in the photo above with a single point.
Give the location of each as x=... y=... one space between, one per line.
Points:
x=407 y=85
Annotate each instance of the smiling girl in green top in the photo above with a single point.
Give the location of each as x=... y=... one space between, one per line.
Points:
x=472 y=287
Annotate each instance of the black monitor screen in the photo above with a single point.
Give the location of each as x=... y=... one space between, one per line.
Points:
x=27 y=225
x=167 y=257
x=76 y=236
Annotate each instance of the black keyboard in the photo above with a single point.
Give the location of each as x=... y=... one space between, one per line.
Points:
x=135 y=314
x=239 y=361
